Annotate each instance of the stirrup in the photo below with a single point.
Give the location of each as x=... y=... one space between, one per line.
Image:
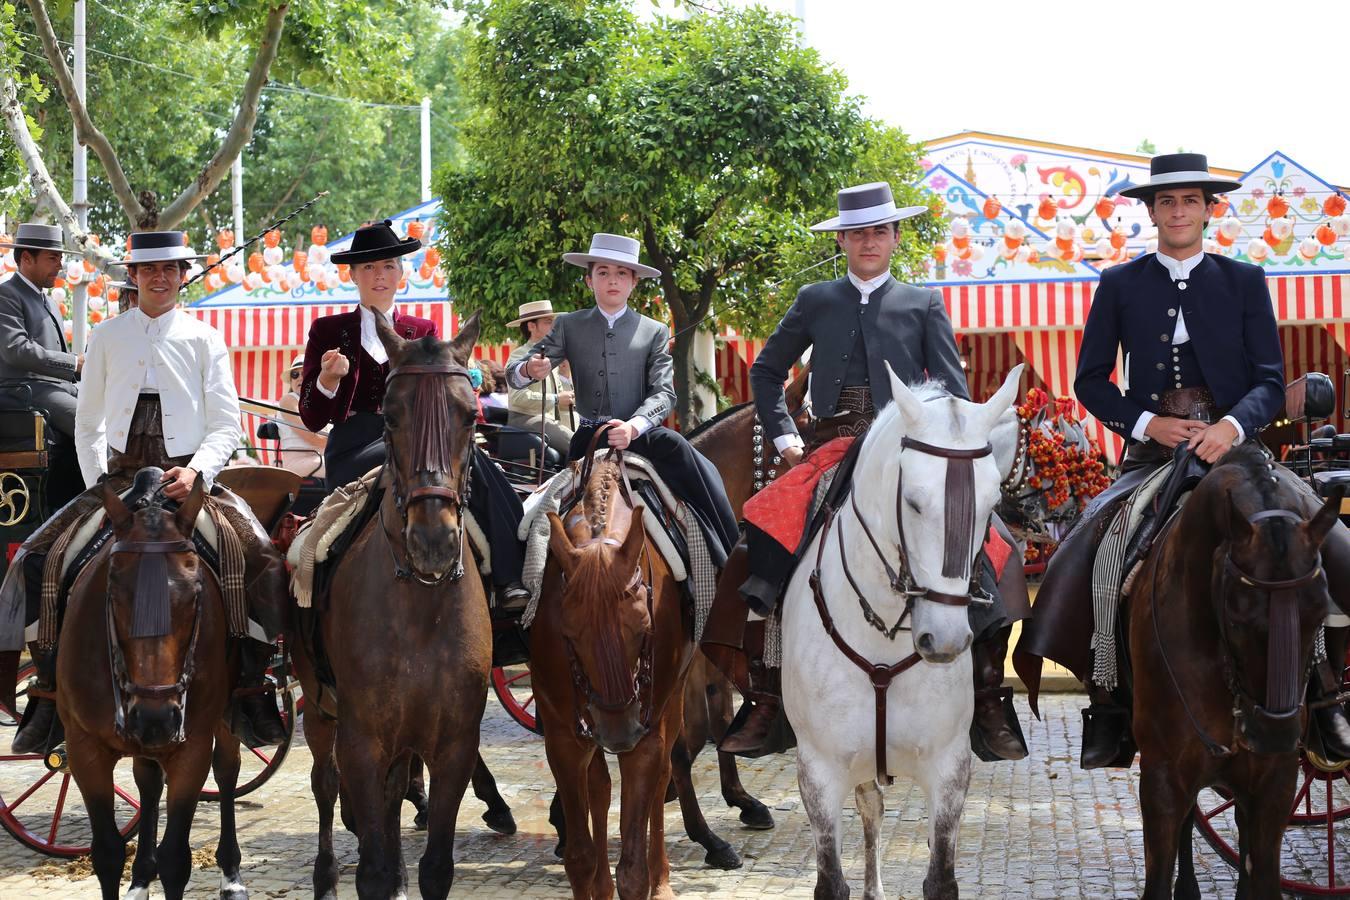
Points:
x=978 y=743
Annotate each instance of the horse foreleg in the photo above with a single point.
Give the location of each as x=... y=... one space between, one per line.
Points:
x=186 y=773
x=754 y=814
x=365 y=776
x=644 y=772
x=946 y=787
x=450 y=774
x=871 y=807
x=395 y=789
x=225 y=766
x=569 y=762
x=1165 y=805
x=1187 y=888
x=658 y=862
x=417 y=792
x=498 y=816
x=1269 y=799
x=599 y=791
x=323 y=782
x=91 y=764
x=720 y=855
x=823 y=784
x=150 y=785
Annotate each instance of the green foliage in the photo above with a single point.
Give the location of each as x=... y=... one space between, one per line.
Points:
x=31 y=93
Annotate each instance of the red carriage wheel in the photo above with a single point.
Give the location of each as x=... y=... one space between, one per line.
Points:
x=513 y=689
x=1315 y=855
x=39 y=802
x=256 y=766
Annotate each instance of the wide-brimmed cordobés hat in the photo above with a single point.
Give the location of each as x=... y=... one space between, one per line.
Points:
x=1178 y=170
x=372 y=243
x=32 y=236
x=158 y=246
x=612 y=248
x=535 y=309
x=867 y=205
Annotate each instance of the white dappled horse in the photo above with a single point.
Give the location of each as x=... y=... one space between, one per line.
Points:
x=953 y=455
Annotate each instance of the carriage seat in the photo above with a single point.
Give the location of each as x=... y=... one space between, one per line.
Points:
x=1329 y=480
x=268 y=491
x=24 y=439
x=519 y=445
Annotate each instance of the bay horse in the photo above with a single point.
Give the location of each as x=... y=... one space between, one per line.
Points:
x=609 y=650
x=145 y=671
x=866 y=696
x=407 y=633
x=1223 y=617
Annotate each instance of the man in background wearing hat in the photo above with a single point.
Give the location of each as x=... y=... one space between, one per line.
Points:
x=624 y=379
x=853 y=326
x=1204 y=371
x=38 y=370
x=157 y=390
x=540 y=402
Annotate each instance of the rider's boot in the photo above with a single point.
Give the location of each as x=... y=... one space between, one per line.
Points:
x=995 y=732
x=761 y=726
x=1107 y=739
x=254 y=717
x=1333 y=726
x=41 y=729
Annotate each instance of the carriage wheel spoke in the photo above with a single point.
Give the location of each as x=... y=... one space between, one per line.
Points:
x=266 y=760
x=528 y=701
x=1303 y=796
x=47 y=776
x=514 y=678
x=22 y=757
x=1218 y=810
x=60 y=807
x=135 y=803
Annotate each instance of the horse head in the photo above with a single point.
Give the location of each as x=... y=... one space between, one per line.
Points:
x=606 y=609
x=933 y=463
x=155 y=583
x=1269 y=593
x=429 y=413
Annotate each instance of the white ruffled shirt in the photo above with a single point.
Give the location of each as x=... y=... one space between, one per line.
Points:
x=370 y=342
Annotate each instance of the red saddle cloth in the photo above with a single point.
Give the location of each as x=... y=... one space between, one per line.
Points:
x=781 y=508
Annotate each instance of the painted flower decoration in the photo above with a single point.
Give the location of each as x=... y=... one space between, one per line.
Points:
x=939 y=182
x=1018 y=161
x=962 y=267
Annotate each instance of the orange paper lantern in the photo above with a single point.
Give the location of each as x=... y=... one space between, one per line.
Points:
x=992 y=208
x=1047 y=209
x=1106 y=207
x=255 y=262
x=1277 y=206
x=1325 y=234
x=1334 y=205
x=1220 y=207
x=272 y=238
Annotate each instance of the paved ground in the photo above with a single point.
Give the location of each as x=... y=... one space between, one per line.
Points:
x=1035 y=829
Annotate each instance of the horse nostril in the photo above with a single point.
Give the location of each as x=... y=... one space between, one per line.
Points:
x=925 y=642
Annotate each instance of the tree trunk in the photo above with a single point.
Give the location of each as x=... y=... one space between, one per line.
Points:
x=682 y=356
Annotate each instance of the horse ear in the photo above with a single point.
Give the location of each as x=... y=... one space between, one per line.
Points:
x=1320 y=525
x=1004 y=439
x=1003 y=398
x=112 y=504
x=186 y=517
x=561 y=545
x=633 y=542
x=393 y=344
x=910 y=407
x=461 y=348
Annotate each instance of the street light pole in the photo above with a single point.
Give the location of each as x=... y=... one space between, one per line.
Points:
x=426 y=149
x=80 y=194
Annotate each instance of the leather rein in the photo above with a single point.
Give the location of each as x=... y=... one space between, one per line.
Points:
x=122 y=685
x=901 y=576
x=404 y=570
x=1282 y=675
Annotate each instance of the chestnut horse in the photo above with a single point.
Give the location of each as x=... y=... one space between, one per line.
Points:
x=610 y=648
x=1224 y=614
x=144 y=671
x=406 y=631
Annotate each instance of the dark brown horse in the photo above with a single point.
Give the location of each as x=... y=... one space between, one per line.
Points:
x=609 y=651
x=1223 y=617
x=144 y=672
x=407 y=633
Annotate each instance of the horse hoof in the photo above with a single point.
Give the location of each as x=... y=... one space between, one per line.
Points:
x=947 y=891
x=420 y=821
x=137 y=892
x=500 y=821
x=671 y=794
x=560 y=849
x=757 y=817
x=231 y=888
x=723 y=857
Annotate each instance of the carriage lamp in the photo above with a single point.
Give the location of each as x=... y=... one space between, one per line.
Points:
x=55 y=760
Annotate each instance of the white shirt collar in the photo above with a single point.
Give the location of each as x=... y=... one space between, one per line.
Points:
x=1179 y=269
x=156 y=326
x=868 y=287
x=370 y=339
x=610 y=319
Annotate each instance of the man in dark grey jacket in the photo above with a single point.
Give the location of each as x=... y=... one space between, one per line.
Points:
x=623 y=376
x=853 y=326
x=36 y=365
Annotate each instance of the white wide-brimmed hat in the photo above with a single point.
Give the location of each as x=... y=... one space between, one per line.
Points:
x=535 y=309
x=1178 y=170
x=158 y=246
x=867 y=205
x=32 y=236
x=612 y=248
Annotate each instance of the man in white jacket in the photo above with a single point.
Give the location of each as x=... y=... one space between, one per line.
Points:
x=157 y=390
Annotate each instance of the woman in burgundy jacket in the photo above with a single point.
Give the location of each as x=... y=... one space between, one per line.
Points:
x=343 y=385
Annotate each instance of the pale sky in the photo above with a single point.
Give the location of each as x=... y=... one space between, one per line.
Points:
x=1234 y=80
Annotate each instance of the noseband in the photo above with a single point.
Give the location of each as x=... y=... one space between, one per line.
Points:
x=958 y=541
x=404 y=570
x=122 y=685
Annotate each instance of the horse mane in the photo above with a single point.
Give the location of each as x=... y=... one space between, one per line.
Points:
x=432 y=446
x=1248 y=487
x=708 y=425
x=926 y=391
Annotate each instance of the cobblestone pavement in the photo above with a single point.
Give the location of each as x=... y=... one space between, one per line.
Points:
x=1035 y=829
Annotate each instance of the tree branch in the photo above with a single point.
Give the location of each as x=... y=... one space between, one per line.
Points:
x=241 y=130
x=85 y=130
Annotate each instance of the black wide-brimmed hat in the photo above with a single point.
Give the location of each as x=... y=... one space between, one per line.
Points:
x=376 y=242
x=1178 y=170
x=32 y=236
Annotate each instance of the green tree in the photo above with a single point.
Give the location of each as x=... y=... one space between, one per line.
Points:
x=711 y=139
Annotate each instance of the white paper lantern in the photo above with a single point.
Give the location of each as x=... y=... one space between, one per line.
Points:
x=58 y=294
x=97 y=303
x=318 y=254
x=1257 y=250
x=1104 y=248
x=1017 y=229
x=1341 y=225
x=234 y=271
x=960 y=228
x=1231 y=227
x=1309 y=248
x=1282 y=227
x=252 y=281
x=272 y=255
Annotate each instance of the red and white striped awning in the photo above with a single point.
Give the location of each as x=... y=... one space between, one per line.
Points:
x=261 y=328
x=1018 y=306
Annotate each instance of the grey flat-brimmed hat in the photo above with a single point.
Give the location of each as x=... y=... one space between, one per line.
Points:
x=612 y=248
x=867 y=205
x=1178 y=170
x=158 y=246
x=32 y=236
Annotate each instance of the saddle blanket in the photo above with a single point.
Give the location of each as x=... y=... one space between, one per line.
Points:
x=699 y=571
x=317 y=536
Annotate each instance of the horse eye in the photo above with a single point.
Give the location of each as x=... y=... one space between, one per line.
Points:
x=909 y=501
